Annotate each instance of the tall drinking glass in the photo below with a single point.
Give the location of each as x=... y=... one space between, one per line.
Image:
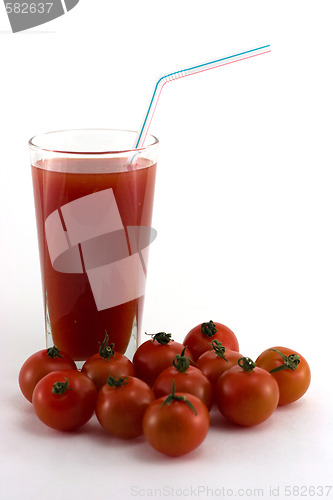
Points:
x=94 y=200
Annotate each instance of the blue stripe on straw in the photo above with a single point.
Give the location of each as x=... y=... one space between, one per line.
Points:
x=189 y=69
x=213 y=62
x=146 y=117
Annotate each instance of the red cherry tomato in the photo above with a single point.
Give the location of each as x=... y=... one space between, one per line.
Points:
x=64 y=400
x=40 y=364
x=246 y=394
x=107 y=362
x=121 y=404
x=185 y=378
x=199 y=339
x=153 y=356
x=176 y=424
x=290 y=370
x=216 y=361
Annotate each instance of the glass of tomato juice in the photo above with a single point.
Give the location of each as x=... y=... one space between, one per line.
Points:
x=93 y=200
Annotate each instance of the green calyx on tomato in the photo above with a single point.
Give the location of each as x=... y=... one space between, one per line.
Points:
x=174 y=397
x=105 y=349
x=290 y=362
x=60 y=387
x=209 y=329
x=219 y=349
x=117 y=381
x=181 y=362
x=161 y=337
x=53 y=352
x=247 y=364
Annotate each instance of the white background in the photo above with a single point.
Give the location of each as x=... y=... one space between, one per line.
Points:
x=243 y=210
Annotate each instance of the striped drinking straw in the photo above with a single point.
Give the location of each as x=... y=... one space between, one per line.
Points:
x=241 y=56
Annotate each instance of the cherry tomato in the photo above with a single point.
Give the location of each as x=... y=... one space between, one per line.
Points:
x=64 y=400
x=154 y=355
x=246 y=394
x=176 y=424
x=121 y=404
x=40 y=364
x=216 y=361
x=107 y=362
x=199 y=339
x=185 y=378
x=290 y=370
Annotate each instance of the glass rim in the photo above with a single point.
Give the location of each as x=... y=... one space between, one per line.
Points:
x=35 y=147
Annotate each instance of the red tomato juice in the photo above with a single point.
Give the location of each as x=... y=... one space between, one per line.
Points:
x=77 y=325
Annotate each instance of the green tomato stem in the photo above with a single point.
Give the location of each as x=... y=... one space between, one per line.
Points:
x=290 y=362
x=53 y=352
x=173 y=397
x=181 y=362
x=208 y=329
x=247 y=364
x=219 y=349
x=161 y=337
x=61 y=387
x=117 y=381
x=105 y=349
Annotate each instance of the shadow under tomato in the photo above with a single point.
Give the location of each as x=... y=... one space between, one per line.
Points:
x=94 y=430
x=149 y=455
x=220 y=423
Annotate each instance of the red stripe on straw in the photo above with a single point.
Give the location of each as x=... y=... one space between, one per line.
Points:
x=197 y=72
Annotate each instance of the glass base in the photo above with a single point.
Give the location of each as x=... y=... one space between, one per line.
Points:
x=130 y=350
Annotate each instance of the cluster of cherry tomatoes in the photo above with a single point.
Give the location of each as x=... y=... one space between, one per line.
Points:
x=168 y=389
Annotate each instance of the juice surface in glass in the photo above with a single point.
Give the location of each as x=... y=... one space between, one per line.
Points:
x=77 y=324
